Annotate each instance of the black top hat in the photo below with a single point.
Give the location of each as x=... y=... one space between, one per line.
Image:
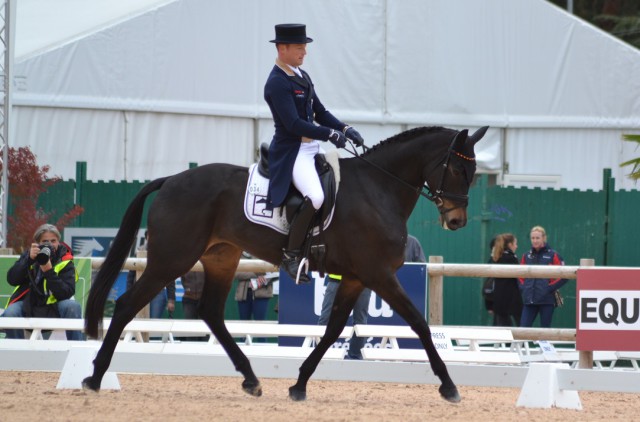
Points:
x=291 y=33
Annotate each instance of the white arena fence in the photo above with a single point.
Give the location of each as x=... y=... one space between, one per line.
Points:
x=499 y=359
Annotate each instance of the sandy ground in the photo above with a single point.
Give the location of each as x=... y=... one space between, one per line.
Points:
x=29 y=396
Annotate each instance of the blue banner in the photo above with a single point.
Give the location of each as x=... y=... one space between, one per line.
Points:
x=301 y=304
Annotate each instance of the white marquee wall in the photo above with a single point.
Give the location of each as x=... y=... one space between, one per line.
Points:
x=152 y=88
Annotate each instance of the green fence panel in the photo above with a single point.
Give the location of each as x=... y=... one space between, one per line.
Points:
x=580 y=224
x=460 y=294
x=106 y=202
x=574 y=222
x=624 y=229
x=58 y=199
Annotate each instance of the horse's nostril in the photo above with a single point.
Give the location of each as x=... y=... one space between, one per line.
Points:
x=456 y=223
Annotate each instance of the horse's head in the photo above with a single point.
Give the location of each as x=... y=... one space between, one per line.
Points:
x=453 y=178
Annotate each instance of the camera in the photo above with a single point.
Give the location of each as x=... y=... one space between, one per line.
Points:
x=45 y=253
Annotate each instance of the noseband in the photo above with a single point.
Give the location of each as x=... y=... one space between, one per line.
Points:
x=437 y=196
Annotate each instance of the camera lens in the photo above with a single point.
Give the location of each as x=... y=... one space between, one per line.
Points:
x=43 y=256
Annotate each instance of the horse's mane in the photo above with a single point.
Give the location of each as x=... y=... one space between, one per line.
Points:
x=409 y=134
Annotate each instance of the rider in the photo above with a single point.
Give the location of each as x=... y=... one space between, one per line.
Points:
x=294 y=106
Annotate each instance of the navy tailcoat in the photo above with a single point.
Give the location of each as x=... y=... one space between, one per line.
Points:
x=294 y=106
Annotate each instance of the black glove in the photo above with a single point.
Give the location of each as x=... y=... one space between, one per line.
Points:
x=353 y=134
x=337 y=138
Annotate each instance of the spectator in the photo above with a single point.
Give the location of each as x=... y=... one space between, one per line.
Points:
x=45 y=280
x=253 y=293
x=538 y=293
x=165 y=299
x=412 y=253
x=193 y=283
x=506 y=300
x=413 y=250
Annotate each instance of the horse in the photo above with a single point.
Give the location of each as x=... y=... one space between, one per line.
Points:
x=198 y=215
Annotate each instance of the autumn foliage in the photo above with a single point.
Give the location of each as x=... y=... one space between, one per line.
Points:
x=27 y=181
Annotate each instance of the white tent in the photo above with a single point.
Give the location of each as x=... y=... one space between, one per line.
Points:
x=139 y=89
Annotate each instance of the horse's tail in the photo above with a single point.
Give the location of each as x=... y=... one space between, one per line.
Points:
x=109 y=270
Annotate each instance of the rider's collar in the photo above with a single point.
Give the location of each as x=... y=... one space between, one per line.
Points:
x=289 y=70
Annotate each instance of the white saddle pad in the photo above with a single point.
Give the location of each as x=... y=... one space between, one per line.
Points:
x=255 y=201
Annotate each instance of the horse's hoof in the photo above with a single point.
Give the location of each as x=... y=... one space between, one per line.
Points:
x=252 y=388
x=89 y=384
x=450 y=394
x=297 y=395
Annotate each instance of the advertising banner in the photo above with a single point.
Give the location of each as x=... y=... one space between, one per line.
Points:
x=301 y=304
x=608 y=310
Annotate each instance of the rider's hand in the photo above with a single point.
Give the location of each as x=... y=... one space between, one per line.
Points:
x=353 y=134
x=337 y=138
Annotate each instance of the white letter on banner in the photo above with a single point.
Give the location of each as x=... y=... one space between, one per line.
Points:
x=384 y=311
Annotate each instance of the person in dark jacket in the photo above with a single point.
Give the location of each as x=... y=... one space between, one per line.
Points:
x=45 y=280
x=193 y=284
x=538 y=293
x=506 y=300
x=295 y=107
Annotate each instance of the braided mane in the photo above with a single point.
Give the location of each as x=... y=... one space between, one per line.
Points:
x=409 y=134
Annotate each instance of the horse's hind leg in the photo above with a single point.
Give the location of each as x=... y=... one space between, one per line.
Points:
x=127 y=306
x=220 y=265
x=395 y=296
x=343 y=304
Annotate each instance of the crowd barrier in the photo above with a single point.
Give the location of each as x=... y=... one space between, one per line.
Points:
x=436 y=269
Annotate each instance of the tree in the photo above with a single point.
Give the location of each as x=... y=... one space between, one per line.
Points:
x=635 y=173
x=621 y=18
x=27 y=181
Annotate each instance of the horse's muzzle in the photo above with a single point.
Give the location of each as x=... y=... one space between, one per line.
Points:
x=453 y=218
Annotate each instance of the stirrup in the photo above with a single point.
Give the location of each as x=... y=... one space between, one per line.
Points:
x=303 y=269
x=293 y=267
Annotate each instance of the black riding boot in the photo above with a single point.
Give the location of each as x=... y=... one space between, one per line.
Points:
x=297 y=233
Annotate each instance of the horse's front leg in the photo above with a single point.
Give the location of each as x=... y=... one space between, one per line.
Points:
x=345 y=299
x=391 y=291
x=211 y=310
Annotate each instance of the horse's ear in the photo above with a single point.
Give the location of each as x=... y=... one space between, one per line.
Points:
x=478 y=134
x=459 y=140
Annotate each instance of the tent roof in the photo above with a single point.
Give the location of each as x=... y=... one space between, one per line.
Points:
x=498 y=62
x=44 y=24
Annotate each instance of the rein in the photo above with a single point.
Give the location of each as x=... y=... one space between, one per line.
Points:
x=433 y=196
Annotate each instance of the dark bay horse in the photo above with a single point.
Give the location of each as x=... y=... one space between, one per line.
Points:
x=198 y=215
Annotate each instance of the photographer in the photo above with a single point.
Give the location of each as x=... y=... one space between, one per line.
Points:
x=45 y=280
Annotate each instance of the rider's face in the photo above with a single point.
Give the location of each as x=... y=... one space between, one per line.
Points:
x=293 y=54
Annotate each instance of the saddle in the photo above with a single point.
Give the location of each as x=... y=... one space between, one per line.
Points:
x=294 y=198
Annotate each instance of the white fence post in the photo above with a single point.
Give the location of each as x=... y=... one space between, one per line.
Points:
x=435 y=294
x=585 y=357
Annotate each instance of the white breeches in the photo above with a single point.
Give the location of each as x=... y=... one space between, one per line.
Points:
x=305 y=177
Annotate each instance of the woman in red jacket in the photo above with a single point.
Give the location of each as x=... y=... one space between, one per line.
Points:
x=538 y=293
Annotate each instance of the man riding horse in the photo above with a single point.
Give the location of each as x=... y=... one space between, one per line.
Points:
x=294 y=106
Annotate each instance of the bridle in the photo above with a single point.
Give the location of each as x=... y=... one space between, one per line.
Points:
x=435 y=196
